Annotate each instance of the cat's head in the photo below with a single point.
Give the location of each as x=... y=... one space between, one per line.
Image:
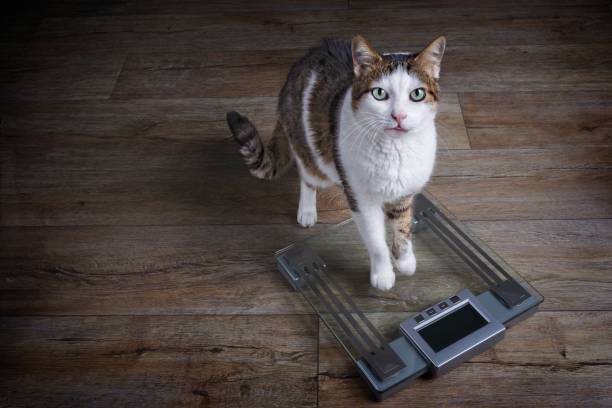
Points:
x=396 y=93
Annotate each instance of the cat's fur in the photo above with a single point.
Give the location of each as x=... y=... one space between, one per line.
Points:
x=337 y=132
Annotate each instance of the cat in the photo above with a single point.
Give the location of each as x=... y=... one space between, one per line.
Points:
x=351 y=116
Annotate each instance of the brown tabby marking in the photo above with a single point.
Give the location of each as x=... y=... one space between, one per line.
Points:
x=320 y=125
x=400 y=215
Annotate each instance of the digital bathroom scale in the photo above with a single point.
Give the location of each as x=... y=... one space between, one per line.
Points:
x=459 y=302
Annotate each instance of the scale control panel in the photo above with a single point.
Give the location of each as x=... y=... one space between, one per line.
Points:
x=452 y=331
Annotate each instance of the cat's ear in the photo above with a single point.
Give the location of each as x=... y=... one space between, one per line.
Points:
x=364 y=56
x=431 y=57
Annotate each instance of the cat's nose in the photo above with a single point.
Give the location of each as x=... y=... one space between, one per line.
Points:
x=398 y=116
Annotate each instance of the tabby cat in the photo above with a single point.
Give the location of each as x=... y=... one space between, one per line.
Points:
x=352 y=116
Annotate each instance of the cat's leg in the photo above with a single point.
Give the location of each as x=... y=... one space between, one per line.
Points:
x=307 y=208
x=400 y=215
x=370 y=220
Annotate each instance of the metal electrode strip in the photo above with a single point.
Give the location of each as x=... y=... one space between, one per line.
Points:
x=473 y=244
x=381 y=358
x=355 y=309
x=506 y=287
x=457 y=250
x=480 y=267
x=306 y=271
x=356 y=343
x=347 y=315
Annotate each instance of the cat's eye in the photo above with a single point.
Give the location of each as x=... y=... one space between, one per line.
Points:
x=379 y=94
x=417 y=95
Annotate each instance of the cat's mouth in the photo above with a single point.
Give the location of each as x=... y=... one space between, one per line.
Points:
x=396 y=128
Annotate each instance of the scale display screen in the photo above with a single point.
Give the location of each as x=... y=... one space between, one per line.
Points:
x=452 y=327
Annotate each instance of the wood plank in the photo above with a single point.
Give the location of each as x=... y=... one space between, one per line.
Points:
x=551 y=194
x=75 y=8
x=87 y=74
x=250 y=30
x=229 y=269
x=451 y=129
x=401 y=5
x=146 y=270
x=158 y=361
x=175 y=120
x=527 y=68
x=209 y=74
x=520 y=162
x=567 y=349
x=519 y=119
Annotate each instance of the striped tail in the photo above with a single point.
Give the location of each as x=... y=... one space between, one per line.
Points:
x=263 y=161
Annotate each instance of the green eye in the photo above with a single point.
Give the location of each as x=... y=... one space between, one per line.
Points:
x=417 y=95
x=379 y=94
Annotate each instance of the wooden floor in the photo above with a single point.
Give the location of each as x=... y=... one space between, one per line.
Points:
x=136 y=251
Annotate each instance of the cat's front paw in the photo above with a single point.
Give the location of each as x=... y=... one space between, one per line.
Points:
x=406 y=263
x=382 y=277
x=307 y=218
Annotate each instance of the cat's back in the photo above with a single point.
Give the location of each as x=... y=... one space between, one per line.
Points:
x=308 y=107
x=332 y=58
x=331 y=62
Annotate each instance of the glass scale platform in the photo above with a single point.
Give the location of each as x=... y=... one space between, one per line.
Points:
x=458 y=303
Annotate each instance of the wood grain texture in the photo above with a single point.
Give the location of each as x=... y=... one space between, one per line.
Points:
x=168 y=149
x=196 y=182
x=527 y=68
x=139 y=270
x=559 y=359
x=488 y=68
x=449 y=123
x=87 y=74
x=176 y=120
x=507 y=120
x=520 y=162
x=209 y=74
x=484 y=385
x=152 y=183
x=136 y=258
x=76 y=8
x=554 y=194
x=173 y=120
x=567 y=261
x=514 y=4
x=229 y=269
x=560 y=340
x=263 y=30
x=158 y=361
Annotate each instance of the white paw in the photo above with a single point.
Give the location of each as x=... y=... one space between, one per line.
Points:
x=382 y=277
x=307 y=218
x=406 y=264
